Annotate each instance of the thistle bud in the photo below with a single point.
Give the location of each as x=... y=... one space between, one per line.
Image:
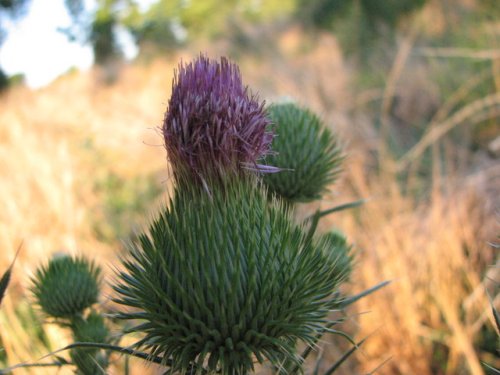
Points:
x=222 y=280
x=90 y=361
x=66 y=286
x=213 y=125
x=307 y=153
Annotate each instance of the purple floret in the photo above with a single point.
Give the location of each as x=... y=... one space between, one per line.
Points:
x=213 y=125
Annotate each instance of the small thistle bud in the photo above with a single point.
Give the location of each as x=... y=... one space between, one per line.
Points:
x=339 y=252
x=307 y=153
x=66 y=286
x=90 y=361
x=223 y=280
x=213 y=125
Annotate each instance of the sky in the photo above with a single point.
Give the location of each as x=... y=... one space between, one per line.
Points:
x=36 y=49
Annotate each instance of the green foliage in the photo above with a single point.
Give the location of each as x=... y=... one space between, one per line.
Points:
x=389 y=11
x=225 y=276
x=102 y=35
x=307 y=152
x=322 y=14
x=4 y=80
x=90 y=361
x=5 y=279
x=12 y=5
x=9 y=9
x=66 y=286
x=160 y=24
x=4 y=283
x=490 y=8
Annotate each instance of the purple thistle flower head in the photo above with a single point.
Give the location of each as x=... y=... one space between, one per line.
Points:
x=213 y=125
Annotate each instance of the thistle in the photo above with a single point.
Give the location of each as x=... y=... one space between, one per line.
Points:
x=224 y=278
x=306 y=151
x=213 y=124
x=220 y=280
x=66 y=286
x=90 y=329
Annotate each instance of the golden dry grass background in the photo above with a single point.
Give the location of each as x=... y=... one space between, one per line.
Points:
x=56 y=143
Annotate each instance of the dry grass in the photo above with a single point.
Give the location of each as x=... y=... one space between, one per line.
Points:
x=437 y=255
x=56 y=142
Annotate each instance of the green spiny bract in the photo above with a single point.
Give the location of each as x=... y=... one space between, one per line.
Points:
x=89 y=361
x=307 y=152
x=340 y=253
x=66 y=286
x=226 y=277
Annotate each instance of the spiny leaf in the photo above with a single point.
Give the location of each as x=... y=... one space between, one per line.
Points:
x=344 y=357
x=4 y=281
x=341 y=207
x=90 y=345
x=495 y=370
x=497 y=317
x=58 y=363
x=311 y=345
x=318 y=364
x=379 y=366
x=350 y=300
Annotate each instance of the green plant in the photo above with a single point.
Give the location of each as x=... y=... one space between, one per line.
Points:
x=90 y=329
x=307 y=152
x=66 y=289
x=224 y=277
x=54 y=286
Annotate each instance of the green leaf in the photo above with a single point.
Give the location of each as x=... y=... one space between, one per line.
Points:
x=379 y=366
x=88 y=345
x=314 y=218
x=58 y=363
x=342 y=207
x=344 y=357
x=489 y=367
x=350 y=300
x=4 y=281
x=497 y=317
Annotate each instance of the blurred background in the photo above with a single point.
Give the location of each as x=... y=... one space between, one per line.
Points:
x=411 y=87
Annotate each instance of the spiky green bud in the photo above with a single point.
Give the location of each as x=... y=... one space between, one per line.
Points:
x=223 y=279
x=340 y=253
x=307 y=152
x=90 y=361
x=66 y=286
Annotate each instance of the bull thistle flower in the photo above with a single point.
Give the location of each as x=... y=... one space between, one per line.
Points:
x=213 y=124
x=307 y=152
x=225 y=278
